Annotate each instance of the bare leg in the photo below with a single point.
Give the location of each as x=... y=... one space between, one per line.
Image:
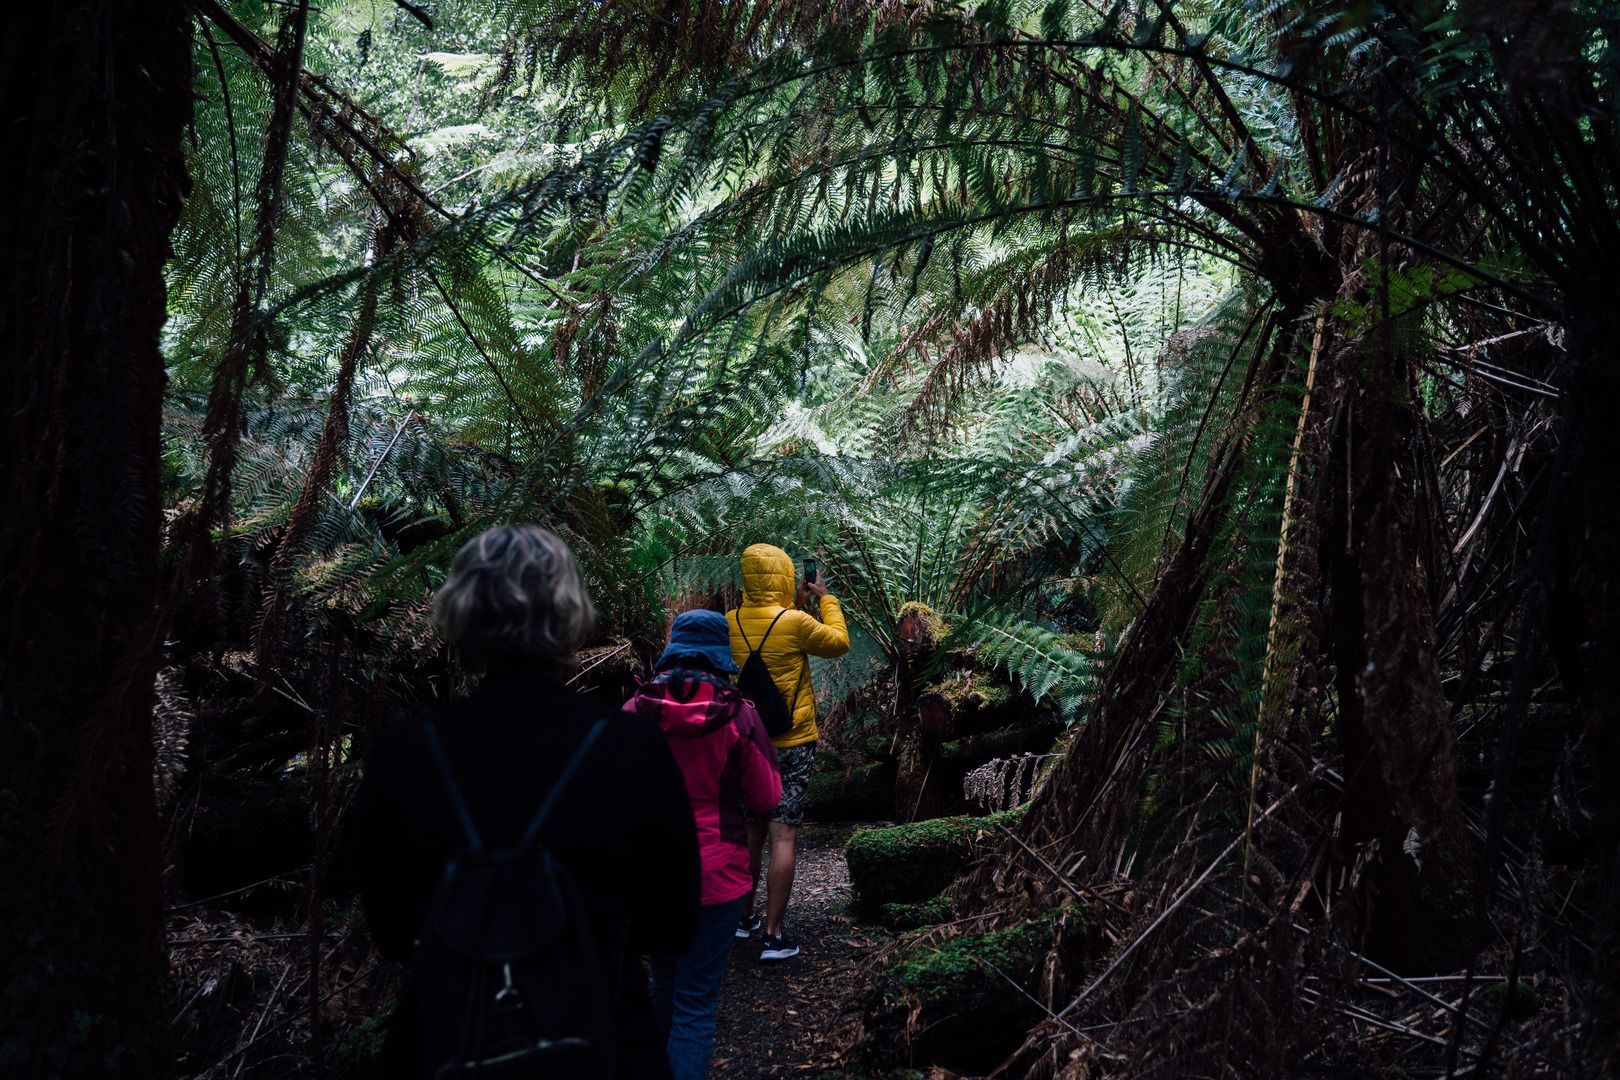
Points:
x=779 y=878
x=756 y=845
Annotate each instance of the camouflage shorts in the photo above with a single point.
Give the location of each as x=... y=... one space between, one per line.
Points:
x=795 y=763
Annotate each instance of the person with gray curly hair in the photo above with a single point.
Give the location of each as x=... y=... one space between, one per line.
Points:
x=514 y=598
x=515 y=607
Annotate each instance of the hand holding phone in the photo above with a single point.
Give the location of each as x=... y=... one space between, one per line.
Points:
x=810 y=585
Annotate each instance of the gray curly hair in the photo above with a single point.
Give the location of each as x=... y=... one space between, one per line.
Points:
x=514 y=596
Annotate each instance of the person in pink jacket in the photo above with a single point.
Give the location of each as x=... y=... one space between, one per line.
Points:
x=728 y=763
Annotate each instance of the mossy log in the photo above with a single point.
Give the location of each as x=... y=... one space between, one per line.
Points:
x=880 y=747
x=930 y=912
x=963 y=704
x=906 y=863
x=916 y=1010
x=966 y=702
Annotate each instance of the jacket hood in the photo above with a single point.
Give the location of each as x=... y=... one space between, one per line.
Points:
x=687 y=704
x=768 y=577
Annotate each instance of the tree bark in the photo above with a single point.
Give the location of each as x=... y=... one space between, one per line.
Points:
x=1393 y=724
x=914 y=796
x=94 y=184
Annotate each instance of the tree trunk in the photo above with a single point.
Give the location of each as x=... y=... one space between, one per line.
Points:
x=93 y=187
x=1393 y=725
x=916 y=793
x=919 y=791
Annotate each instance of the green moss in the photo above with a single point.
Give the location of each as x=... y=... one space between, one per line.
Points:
x=823 y=799
x=878 y=747
x=932 y=622
x=950 y=1003
x=823 y=786
x=1085 y=642
x=906 y=863
x=994 y=692
x=930 y=912
x=962 y=971
x=865 y=793
x=967 y=691
x=360 y=1052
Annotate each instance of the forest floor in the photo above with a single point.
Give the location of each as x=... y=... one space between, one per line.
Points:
x=783 y=1019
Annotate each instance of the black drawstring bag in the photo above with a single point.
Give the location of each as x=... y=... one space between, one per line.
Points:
x=756 y=684
x=508 y=980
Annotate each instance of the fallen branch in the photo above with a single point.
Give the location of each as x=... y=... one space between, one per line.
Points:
x=1356 y=1012
x=597 y=662
x=245 y=1047
x=270 y=1003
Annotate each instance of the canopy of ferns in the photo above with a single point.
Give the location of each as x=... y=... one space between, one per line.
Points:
x=1271 y=342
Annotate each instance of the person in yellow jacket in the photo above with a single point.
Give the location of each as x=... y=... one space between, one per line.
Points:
x=769 y=580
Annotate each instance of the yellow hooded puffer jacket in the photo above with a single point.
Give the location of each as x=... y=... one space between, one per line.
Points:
x=769 y=582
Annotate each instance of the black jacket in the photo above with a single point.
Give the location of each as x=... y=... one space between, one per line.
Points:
x=623 y=828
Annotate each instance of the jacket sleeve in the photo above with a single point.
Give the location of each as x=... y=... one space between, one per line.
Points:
x=761 y=781
x=668 y=870
x=827 y=637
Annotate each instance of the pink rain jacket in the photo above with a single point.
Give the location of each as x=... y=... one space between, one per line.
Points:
x=728 y=762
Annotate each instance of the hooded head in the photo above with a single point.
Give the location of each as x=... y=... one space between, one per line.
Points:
x=767 y=577
x=701 y=636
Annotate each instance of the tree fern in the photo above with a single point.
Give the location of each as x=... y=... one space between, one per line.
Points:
x=1045 y=664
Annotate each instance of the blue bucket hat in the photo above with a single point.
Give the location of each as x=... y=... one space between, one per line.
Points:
x=701 y=635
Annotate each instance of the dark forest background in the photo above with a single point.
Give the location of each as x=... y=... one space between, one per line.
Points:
x=1201 y=407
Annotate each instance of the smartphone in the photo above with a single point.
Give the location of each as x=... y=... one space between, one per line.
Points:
x=809 y=570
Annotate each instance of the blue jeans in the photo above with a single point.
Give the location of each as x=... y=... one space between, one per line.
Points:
x=686 y=990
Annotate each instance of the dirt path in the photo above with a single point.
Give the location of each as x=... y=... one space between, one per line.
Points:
x=779 y=1019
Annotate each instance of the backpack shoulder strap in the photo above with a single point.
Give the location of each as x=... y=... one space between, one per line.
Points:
x=798 y=687
x=430 y=732
x=768 y=629
x=567 y=774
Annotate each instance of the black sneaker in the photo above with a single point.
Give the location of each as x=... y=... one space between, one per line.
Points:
x=777 y=947
x=747 y=925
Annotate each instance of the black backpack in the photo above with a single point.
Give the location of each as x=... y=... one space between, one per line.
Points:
x=508 y=978
x=756 y=684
